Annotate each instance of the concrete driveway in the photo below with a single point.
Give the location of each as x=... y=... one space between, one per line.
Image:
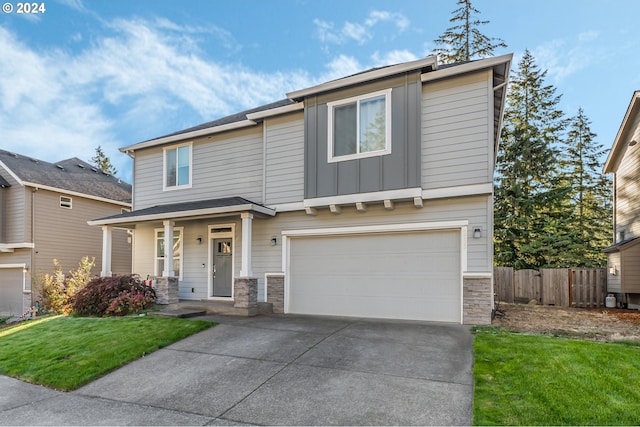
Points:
x=274 y=370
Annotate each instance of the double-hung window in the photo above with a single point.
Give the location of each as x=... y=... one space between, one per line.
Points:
x=177 y=166
x=359 y=126
x=177 y=252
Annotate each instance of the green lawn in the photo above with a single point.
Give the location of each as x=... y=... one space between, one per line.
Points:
x=67 y=352
x=542 y=380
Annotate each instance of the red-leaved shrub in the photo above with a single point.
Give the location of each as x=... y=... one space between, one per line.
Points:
x=115 y=296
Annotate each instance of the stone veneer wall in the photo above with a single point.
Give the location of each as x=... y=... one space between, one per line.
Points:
x=166 y=290
x=275 y=291
x=245 y=292
x=476 y=301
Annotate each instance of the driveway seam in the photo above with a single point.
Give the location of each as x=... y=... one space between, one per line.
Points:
x=285 y=365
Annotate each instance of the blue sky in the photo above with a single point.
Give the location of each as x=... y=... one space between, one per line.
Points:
x=112 y=73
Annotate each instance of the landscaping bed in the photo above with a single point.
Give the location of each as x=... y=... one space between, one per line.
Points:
x=598 y=324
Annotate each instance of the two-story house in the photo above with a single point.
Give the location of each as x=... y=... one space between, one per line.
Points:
x=44 y=209
x=370 y=195
x=623 y=257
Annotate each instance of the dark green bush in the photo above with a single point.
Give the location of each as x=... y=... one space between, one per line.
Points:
x=115 y=296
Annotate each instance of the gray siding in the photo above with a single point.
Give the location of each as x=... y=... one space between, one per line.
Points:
x=630 y=270
x=628 y=191
x=268 y=259
x=14 y=221
x=11 y=282
x=400 y=169
x=229 y=164
x=456 y=131
x=63 y=234
x=613 y=281
x=284 y=162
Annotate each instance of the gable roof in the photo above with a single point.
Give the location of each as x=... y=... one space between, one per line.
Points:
x=625 y=135
x=73 y=176
x=295 y=100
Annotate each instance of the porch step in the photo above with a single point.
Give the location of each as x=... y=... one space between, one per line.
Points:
x=186 y=308
x=179 y=312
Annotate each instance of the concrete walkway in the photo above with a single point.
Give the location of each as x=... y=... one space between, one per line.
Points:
x=274 y=370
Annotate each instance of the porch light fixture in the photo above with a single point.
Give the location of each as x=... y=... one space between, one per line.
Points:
x=274 y=241
x=199 y=240
x=476 y=233
x=632 y=142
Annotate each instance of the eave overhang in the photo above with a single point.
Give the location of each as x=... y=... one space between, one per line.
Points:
x=188 y=210
x=624 y=136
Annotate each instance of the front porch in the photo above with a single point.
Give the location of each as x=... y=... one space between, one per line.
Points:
x=191 y=308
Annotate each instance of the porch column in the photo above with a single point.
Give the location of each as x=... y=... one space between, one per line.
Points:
x=245 y=270
x=106 y=251
x=168 y=249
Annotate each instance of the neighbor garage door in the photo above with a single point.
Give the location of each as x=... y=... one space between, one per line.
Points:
x=408 y=275
x=11 y=291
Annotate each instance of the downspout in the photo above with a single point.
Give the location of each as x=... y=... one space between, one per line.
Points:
x=32 y=253
x=264 y=162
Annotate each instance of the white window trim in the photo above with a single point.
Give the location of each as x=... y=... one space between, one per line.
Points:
x=331 y=105
x=155 y=251
x=164 y=167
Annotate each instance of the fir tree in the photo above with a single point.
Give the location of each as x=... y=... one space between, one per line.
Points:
x=530 y=200
x=590 y=196
x=103 y=162
x=464 y=41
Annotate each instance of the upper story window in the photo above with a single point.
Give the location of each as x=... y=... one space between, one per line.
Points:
x=66 y=202
x=359 y=126
x=177 y=166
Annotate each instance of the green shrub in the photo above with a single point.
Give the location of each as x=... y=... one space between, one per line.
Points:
x=57 y=289
x=116 y=296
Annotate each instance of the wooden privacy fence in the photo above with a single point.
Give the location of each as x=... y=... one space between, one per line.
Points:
x=563 y=287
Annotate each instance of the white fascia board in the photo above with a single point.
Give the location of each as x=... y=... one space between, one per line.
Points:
x=276 y=111
x=466 y=68
x=381 y=228
x=459 y=191
x=365 y=77
x=407 y=193
x=13 y=175
x=186 y=214
x=76 y=194
x=610 y=165
x=189 y=135
x=288 y=207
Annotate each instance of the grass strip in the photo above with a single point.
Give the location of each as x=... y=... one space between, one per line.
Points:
x=65 y=353
x=544 y=380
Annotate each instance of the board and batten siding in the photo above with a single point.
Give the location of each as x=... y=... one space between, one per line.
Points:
x=224 y=165
x=64 y=234
x=628 y=193
x=284 y=159
x=630 y=270
x=457 y=144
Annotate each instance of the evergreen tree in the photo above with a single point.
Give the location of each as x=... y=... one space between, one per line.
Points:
x=103 y=162
x=464 y=41
x=590 y=196
x=530 y=198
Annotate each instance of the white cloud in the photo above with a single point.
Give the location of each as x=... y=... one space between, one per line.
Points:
x=120 y=90
x=563 y=58
x=328 y=33
x=393 y=57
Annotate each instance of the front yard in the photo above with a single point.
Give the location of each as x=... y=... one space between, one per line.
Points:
x=550 y=366
x=65 y=353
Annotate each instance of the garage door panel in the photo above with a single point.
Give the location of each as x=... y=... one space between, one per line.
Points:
x=392 y=275
x=11 y=291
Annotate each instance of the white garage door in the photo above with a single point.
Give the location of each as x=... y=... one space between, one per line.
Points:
x=408 y=275
x=10 y=291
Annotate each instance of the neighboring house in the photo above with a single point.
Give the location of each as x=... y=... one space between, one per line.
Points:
x=370 y=195
x=623 y=257
x=44 y=209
